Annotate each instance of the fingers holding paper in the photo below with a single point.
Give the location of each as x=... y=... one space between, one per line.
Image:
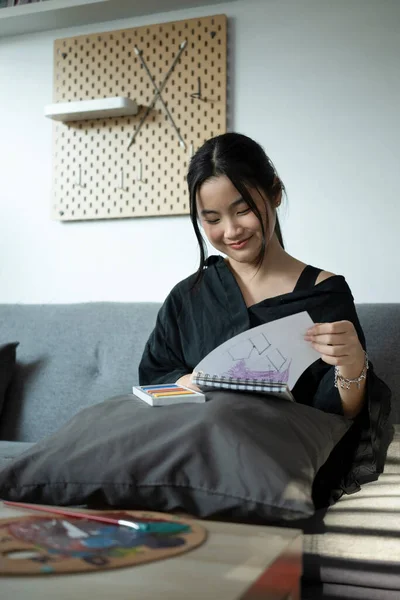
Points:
x=337 y=342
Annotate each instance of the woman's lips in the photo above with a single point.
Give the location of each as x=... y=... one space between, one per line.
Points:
x=239 y=245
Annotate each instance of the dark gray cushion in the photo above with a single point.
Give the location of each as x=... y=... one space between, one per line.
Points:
x=239 y=454
x=7 y=365
x=10 y=450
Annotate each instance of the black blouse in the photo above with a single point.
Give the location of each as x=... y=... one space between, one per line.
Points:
x=194 y=321
x=315 y=386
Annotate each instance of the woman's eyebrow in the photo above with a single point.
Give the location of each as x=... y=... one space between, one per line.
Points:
x=215 y=212
x=209 y=212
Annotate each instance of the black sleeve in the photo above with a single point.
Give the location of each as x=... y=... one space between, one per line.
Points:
x=162 y=360
x=360 y=455
x=316 y=386
x=342 y=308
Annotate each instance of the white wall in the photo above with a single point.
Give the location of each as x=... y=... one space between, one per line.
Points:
x=315 y=81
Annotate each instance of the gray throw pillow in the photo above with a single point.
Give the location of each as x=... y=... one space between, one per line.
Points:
x=7 y=365
x=241 y=455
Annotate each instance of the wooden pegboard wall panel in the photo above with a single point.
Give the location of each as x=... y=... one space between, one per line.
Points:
x=95 y=175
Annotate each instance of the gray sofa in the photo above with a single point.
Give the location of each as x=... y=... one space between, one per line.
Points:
x=72 y=356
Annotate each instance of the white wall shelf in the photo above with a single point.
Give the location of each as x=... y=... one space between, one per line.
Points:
x=91 y=109
x=59 y=14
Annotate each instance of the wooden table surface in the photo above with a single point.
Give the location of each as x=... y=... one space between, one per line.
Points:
x=237 y=562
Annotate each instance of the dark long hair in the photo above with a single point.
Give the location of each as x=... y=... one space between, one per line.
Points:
x=245 y=163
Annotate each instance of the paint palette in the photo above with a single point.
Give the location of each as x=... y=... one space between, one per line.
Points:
x=53 y=544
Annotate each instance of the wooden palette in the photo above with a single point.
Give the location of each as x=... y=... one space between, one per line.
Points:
x=52 y=544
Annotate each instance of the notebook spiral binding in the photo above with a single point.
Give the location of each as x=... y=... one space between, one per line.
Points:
x=223 y=379
x=206 y=381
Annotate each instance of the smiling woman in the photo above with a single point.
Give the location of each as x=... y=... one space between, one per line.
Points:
x=233 y=225
x=232 y=171
x=235 y=192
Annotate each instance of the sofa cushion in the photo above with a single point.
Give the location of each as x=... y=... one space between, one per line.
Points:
x=71 y=356
x=237 y=454
x=381 y=325
x=356 y=541
x=10 y=450
x=7 y=365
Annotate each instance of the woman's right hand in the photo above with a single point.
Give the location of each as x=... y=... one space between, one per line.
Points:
x=186 y=380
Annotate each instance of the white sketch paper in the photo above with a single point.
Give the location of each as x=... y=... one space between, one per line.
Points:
x=274 y=352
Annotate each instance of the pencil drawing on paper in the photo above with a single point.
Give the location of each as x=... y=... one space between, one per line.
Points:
x=257 y=358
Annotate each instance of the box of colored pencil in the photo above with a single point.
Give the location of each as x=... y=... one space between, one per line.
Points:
x=166 y=394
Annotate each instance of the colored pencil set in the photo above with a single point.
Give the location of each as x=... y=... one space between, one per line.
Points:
x=167 y=394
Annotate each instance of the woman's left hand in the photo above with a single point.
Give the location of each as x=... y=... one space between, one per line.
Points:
x=337 y=343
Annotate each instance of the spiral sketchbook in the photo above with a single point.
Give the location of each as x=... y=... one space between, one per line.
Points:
x=268 y=359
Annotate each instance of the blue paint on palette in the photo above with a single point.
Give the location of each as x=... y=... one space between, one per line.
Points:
x=47 y=569
x=166 y=527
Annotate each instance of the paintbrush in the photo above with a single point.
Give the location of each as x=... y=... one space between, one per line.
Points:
x=167 y=527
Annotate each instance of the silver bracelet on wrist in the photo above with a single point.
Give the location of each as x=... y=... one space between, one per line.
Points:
x=346 y=383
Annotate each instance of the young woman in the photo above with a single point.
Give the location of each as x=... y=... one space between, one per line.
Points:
x=234 y=195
